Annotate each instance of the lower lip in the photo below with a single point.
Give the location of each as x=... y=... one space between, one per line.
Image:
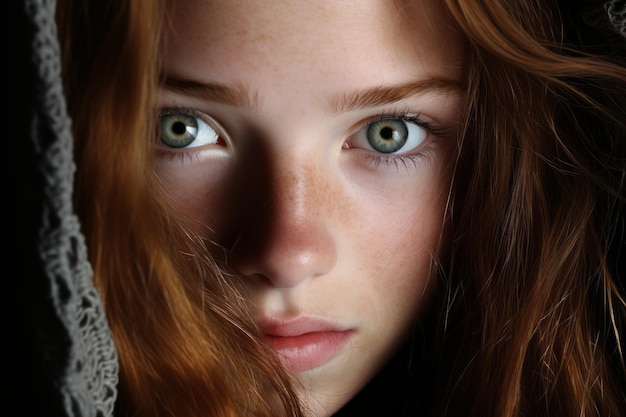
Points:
x=308 y=351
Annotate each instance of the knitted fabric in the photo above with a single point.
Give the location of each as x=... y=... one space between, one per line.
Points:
x=72 y=369
x=616 y=10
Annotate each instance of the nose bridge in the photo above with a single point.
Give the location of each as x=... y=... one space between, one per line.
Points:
x=290 y=240
x=296 y=191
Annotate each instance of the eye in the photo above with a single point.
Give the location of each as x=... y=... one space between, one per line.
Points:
x=179 y=129
x=390 y=136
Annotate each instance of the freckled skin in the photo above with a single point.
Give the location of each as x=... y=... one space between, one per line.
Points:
x=314 y=226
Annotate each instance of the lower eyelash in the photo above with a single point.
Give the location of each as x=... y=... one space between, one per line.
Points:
x=180 y=155
x=402 y=163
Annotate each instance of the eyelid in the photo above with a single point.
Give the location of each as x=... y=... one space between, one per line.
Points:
x=409 y=116
x=163 y=111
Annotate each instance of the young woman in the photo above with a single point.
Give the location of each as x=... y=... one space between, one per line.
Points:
x=416 y=205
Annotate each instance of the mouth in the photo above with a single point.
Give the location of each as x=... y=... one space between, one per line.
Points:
x=304 y=343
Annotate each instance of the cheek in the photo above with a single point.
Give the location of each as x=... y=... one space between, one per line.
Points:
x=195 y=189
x=402 y=220
x=401 y=246
x=400 y=237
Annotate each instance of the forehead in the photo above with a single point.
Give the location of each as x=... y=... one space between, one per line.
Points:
x=334 y=39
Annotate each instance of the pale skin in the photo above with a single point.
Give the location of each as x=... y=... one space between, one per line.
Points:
x=322 y=226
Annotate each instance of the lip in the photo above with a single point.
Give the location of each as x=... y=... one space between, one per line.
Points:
x=304 y=343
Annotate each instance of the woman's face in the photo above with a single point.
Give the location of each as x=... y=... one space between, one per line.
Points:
x=310 y=140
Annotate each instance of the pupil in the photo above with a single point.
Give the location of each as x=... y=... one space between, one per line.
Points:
x=179 y=128
x=386 y=133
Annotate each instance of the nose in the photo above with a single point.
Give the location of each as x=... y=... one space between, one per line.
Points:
x=285 y=239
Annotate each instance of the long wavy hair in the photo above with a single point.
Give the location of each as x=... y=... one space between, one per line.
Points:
x=186 y=343
x=533 y=310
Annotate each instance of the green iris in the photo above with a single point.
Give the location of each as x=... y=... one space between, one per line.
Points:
x=387 y=136
x=178 y=130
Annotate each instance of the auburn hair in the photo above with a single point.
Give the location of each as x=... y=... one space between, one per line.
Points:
x=536 y=324
x=186 y=343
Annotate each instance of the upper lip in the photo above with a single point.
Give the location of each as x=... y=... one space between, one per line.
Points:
x=295 y=326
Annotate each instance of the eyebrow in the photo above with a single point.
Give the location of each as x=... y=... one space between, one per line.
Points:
x=237 y=95
x=381 y=95
x=241 y=96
